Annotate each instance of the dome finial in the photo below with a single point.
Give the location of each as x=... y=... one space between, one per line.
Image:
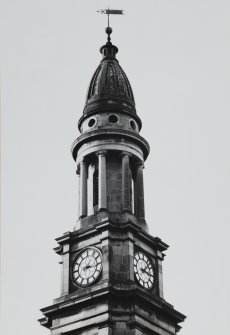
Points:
x=108 y=11
x=109 y=31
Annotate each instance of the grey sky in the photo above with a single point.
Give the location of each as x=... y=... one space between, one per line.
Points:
x=176 y=55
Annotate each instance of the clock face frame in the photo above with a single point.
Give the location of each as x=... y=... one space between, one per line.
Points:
x=87 y=267
x=143 y=270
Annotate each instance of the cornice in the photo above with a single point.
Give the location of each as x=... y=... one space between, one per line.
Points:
x=110 y=133
x=129 y=294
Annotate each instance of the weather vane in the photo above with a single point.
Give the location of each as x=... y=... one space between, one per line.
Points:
x=110 y=11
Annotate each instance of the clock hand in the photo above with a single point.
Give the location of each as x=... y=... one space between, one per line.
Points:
x=88 y=266
x=146 y=271
x=87 y=261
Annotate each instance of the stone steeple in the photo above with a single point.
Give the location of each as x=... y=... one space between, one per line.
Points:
x=112 y=281
x=110 y=153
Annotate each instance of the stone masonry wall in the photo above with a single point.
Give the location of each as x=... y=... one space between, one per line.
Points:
x=114 y=183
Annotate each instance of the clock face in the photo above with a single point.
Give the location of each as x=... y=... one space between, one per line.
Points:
x=143 y=270
x=87 y=267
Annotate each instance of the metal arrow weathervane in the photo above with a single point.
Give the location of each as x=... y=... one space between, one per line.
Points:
x=111 y=11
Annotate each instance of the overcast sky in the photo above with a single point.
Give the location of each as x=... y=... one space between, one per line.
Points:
x=176 y=55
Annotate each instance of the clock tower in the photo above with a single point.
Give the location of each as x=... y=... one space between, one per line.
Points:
x=111 y=266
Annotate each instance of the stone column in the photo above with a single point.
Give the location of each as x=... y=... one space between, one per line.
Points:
x=126 y=183
x=139 y=192
x=78 y=191
x=132 y=196
x=91 y=170
x=83 y=189
x=102 y=187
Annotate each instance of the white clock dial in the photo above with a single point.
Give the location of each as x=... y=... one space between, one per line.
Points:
x=87 y=267
x=143 y=270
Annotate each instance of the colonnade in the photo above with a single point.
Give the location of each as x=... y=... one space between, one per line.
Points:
x=85 y=172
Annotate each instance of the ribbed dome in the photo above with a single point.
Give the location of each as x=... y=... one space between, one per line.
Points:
x=109 y=88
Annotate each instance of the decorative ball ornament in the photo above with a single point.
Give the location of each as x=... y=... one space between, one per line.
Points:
x=87 y=267
x=143 y=270
x=108 y=30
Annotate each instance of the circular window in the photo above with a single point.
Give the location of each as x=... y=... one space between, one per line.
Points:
x=92 y=122
x=113 y=119
x=132 y=124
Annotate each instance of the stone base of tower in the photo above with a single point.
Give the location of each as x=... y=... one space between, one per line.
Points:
x=116 y=303
x=115 y=312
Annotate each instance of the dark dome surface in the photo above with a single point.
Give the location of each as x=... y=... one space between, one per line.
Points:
x=109 y=88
